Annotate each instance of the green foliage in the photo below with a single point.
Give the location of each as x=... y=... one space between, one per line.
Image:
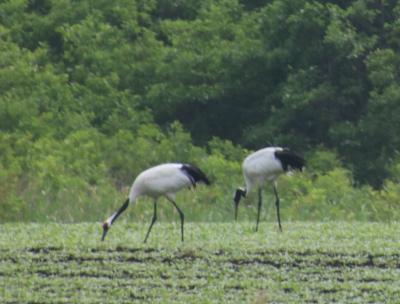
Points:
x=94 y=92
x=395 y=170
x=323 y=161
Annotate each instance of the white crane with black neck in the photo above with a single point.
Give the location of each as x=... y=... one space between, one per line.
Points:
x=262 y=167
x=162 y=180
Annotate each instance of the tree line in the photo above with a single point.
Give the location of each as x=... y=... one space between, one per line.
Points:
x=93 y=92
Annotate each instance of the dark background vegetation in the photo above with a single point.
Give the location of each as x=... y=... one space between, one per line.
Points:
x=92 y=92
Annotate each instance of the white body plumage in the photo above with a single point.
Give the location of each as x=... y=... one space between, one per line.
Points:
x=165 y=179
x=162 y=180
x=261 y=166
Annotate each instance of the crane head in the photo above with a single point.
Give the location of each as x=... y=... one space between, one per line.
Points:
x=106 y=227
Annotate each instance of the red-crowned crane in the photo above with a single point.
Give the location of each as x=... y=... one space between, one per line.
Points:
x=264 y=166
x=162 y=180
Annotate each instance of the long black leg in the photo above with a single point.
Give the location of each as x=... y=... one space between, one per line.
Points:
x=182 y=216
x=277 y=207
x=259 y=206
x=152 y=221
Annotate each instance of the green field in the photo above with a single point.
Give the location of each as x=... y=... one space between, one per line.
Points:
x=218 y=263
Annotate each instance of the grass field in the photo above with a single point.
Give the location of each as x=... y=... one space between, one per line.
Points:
x=337 y=262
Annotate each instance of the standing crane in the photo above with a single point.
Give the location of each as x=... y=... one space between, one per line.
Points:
x=264 y=166
x=162 y=180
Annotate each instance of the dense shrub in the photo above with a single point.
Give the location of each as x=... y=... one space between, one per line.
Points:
x=94 y=92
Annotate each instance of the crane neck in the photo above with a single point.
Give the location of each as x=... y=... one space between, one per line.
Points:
x=133 y=195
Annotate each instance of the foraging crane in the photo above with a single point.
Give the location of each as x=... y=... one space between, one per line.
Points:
x=264 y=166
x=162 y=180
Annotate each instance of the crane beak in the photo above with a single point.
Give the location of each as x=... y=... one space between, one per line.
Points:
x=238 y=195
x=106 y=227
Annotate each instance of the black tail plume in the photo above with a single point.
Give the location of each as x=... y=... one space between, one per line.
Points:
x=195 y=174
x=290 y=160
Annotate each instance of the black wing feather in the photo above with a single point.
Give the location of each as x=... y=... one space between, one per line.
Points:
x=195 y=174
